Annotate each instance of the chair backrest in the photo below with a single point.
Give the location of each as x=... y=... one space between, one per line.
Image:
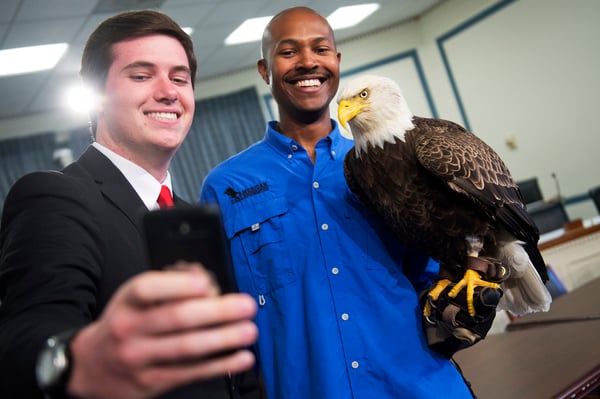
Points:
x=548 y=216
x=554 y=284
x=530 y=189
x=595 y=195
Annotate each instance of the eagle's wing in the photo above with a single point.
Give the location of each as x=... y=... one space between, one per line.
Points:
x=470 y=167
x=464 y=162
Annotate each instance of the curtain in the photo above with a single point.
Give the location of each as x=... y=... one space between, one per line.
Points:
x=222 y=127
x=20 y=156
x=79 y=140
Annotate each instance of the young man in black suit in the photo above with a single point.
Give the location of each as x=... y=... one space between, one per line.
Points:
x=74 y=279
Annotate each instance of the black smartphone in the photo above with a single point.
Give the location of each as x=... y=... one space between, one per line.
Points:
x=194 y=234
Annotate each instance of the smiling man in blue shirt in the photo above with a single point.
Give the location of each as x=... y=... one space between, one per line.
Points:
x=339 y=314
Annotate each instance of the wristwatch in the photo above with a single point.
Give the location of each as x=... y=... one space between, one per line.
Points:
x=54 y=365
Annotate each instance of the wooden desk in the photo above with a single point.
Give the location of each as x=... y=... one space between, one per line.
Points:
x=549 y=361
x=569 y=235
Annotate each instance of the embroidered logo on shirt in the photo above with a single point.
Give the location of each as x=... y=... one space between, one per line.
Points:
x=237 y=196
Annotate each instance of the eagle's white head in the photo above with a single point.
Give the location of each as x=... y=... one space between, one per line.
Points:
x=376 y=111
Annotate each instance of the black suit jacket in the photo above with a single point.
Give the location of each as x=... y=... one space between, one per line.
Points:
x=68 y=240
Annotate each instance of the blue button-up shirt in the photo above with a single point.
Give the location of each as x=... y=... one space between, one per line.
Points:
x=338 y=310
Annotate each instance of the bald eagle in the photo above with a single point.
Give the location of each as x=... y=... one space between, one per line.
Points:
x=439 y=187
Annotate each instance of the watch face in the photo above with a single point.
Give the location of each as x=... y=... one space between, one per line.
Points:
x=51 y=364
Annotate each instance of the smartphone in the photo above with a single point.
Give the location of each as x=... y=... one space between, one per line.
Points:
x=194 y=234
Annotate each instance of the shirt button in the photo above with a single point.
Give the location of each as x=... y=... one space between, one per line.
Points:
x=290 y=156
x=332 y=152
x=355 y=364
x=316 y=184
x=294 y=147
x=335 y=270
x=345 y=316
x=324 y=226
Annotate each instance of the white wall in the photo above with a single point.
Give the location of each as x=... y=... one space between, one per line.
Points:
x=525 y=69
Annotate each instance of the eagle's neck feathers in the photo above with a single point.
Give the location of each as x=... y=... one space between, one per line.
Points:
x=384 y=121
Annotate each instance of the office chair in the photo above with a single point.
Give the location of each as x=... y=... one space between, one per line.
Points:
x=548 y=216
x=530 y=189
x=595 y=195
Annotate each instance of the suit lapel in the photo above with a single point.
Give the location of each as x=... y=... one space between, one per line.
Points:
x=113 y=185
x=179 y=202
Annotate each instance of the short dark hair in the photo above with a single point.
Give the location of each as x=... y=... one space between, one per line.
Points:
x=98 y=55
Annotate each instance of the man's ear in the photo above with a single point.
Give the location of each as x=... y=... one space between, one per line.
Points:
x=263 y=70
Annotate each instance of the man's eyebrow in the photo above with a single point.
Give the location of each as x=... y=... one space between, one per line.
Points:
x=287 y=42
x=139 y=64
x=146 y=64
x=313 y=41
x=182 y=68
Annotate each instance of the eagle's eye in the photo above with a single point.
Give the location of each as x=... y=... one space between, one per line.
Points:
x=364 y=93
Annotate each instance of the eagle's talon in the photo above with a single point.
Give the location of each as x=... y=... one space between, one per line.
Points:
x=471 y=279
x=433 y=295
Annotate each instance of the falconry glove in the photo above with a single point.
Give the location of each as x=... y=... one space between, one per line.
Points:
x=450 y=328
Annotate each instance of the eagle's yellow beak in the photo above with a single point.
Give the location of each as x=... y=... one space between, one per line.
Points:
x=348 y=109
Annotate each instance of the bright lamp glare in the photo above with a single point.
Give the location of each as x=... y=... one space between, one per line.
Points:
x=22 y=60
x=250 y=30
x=188 y=29
x=80 y=99
x=345 y=17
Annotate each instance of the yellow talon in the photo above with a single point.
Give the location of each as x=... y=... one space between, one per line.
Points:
x=434 y=293
x=471 y=279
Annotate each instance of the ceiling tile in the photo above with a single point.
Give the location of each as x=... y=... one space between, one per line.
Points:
x=45 y=10
x=18 y=92
x=23 y=34
x=9 y=8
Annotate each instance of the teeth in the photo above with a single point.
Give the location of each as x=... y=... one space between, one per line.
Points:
x=163 y=115
x=308 y=83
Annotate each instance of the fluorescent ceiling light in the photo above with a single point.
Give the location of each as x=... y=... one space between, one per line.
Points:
x=22 y=60
x=250 y=30
x=188 y=29
x=345 y=17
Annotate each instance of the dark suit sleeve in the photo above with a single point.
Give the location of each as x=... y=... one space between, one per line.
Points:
x=51 y=252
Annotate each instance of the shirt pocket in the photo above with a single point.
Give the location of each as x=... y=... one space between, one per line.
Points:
x=257 y=229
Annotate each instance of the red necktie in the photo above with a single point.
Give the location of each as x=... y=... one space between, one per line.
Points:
x=165 y=200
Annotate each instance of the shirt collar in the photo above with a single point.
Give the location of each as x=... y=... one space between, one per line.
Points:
x=144 y=184
x=288 y=146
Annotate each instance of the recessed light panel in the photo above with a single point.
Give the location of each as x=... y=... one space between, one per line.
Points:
x=22 y=60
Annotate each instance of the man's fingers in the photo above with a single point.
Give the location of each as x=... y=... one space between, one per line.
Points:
x=189 y=346
x=167 y=285
x=196 y=312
